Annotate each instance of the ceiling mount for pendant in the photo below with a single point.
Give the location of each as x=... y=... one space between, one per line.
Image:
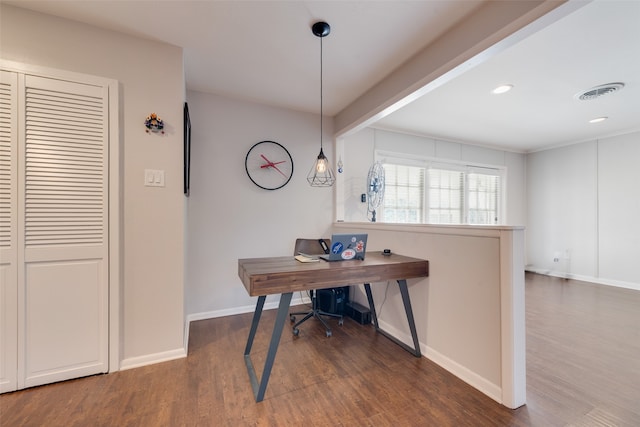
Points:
x=321 y=29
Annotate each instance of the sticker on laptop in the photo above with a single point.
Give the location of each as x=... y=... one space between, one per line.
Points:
x=348 y=254
x=336 y=248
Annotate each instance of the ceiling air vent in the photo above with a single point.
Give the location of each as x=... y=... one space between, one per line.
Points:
x=598 y=91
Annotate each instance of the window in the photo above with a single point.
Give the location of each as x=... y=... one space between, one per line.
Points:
x=483 y=196
x=446 y=201
x=404 y=194
x=425 y=191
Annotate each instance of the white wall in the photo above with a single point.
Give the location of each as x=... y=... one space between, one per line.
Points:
x=357 y=152
x=619 y=208
x=583 y=209
x=228 y=217
x=151 y=79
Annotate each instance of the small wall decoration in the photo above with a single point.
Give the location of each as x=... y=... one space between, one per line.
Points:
x=153 y=123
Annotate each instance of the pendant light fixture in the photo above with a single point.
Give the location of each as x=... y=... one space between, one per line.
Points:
x=321 y=174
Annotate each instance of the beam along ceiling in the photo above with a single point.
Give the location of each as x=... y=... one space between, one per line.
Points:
x=264 y=51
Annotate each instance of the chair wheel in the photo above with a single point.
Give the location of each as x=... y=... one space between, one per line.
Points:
x=296 y=332
x=340 y=322
x=328 y=334
x=292 y=318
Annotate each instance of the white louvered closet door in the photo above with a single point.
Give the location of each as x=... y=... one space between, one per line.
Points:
x=62 y=231
x=8 y=233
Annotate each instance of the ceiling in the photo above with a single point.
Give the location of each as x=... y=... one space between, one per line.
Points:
x=264 y=51
x=595 y=45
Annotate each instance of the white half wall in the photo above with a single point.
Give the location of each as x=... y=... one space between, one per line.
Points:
x=470 y=311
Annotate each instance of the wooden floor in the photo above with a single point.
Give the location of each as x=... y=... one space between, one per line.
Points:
x=583 y=369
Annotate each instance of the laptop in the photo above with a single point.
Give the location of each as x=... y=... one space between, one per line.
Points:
x=346 y=246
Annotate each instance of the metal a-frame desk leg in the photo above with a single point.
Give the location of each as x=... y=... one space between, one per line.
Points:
x=259 y=386
x=402 y=283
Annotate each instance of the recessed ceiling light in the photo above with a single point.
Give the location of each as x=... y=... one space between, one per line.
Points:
x=598 y=119
x=502 y=89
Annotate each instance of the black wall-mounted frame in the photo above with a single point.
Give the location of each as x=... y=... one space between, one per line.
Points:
x=187 y=150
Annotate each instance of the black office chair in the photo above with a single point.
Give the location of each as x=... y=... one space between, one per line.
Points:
x=313 y=247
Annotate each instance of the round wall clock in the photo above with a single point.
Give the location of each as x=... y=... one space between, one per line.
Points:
x=269 y=165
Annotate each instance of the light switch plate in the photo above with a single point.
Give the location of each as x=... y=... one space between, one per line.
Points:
x=153 y=178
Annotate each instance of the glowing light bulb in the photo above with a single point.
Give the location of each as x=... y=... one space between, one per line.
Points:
x=321 y=166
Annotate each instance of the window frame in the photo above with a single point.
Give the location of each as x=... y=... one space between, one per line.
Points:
x=405 y=159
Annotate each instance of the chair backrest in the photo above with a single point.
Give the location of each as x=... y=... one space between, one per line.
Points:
x=310 y=246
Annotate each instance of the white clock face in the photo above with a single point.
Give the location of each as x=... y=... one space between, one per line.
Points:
x=269 y=165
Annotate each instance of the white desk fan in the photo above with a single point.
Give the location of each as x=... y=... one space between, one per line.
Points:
x=375 y=188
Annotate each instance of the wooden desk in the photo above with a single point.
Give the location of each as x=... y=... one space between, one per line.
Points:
x=285 y=275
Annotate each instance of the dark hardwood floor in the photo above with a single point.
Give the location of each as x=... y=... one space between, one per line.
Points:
x=583 y=369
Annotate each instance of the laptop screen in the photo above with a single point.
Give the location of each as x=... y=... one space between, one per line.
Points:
x=347 y=246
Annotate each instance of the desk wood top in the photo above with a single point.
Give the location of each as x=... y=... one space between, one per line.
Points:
x=277 y=275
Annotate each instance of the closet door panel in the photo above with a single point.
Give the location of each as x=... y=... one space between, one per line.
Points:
x=8 y=232
x=61 y=333
x=63 y=279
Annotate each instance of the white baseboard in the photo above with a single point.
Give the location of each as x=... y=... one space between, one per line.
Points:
x=230 y=312
x=465 y=374
x=590 y=279
x=150 y=359
x=226 y=312
x=240 y=310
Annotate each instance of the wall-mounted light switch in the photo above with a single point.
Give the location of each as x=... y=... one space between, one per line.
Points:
x=153 y=178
